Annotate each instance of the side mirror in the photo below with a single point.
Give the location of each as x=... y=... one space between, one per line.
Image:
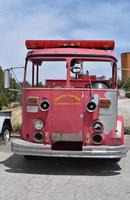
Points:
x=7 y=76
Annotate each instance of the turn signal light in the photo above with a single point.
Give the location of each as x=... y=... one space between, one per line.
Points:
x=32 y=101
x=104 y=103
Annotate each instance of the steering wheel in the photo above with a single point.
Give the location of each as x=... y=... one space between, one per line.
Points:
x=75 y=70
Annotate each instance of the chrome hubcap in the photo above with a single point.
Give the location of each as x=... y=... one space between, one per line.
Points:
x=6 y=135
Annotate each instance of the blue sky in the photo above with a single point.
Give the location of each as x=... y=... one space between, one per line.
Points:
x=58 y=19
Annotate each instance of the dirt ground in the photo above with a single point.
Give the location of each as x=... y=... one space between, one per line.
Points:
x=61 y=178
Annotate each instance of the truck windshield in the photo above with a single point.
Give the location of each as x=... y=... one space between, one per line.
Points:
x=94 y=70
x=100 y=69
x=55 y=72
x=37 y=74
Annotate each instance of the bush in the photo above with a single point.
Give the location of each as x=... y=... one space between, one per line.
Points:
x=3 y=100
x=16 y=119
x=127 y=130
x=16 y=128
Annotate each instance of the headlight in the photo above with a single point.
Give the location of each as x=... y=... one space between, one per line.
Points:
x=45 y=105
x=38 y=137
x=97 y=139
x=39 y=124
x=97 y=126
x=91 y=106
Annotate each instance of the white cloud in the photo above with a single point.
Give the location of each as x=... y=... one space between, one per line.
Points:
x=40 y=24
x=32 y=19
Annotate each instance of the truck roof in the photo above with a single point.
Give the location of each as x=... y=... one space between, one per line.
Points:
x=64 y=48
x=64 y=52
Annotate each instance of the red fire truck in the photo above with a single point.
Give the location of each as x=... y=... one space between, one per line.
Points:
x=75 y=116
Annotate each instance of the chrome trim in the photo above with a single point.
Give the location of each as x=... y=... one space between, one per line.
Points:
x=22 y=147
x=72 y=137
x=108 y=116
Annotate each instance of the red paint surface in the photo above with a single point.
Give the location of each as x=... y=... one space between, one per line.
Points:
x=67 y=113
x=90 y=44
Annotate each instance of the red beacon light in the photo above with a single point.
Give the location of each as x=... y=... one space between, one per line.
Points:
x=89 y=44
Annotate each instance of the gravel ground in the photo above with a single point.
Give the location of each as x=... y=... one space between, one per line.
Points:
x=62 y=178
x=65 y=179
x=124 y=109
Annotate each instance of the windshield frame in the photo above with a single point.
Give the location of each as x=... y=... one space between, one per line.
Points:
x=68 y=59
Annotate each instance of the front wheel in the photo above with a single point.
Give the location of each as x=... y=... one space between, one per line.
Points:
x=5 y=134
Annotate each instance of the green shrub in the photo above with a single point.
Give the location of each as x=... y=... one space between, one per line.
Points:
x=127 y=130
x=16 y=128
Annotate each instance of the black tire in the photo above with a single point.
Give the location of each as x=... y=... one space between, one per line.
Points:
x=5 y=133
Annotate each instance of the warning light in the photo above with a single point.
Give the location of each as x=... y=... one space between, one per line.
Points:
x=89 y=44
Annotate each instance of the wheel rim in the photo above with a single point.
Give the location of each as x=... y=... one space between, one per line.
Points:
x=6 y=135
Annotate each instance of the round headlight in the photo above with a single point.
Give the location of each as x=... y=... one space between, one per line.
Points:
x=39 y=124
x=97 y=126
x=38 y=137
x=91 y=106
x=45 y=105
x=97 y=139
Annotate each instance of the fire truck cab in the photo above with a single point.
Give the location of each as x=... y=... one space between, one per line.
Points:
x=75 y=116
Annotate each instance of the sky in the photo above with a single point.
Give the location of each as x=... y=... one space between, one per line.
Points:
x=58 y=19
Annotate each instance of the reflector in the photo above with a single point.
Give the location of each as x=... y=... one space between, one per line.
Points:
x=32 y=101
x=104 y=103
x=90 y=44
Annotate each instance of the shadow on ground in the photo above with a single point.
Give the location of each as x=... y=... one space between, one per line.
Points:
x=61 y=166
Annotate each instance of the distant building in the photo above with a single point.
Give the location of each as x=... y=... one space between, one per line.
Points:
x=125 y=64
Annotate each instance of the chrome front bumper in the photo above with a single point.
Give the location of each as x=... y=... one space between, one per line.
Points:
x=22 y=147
